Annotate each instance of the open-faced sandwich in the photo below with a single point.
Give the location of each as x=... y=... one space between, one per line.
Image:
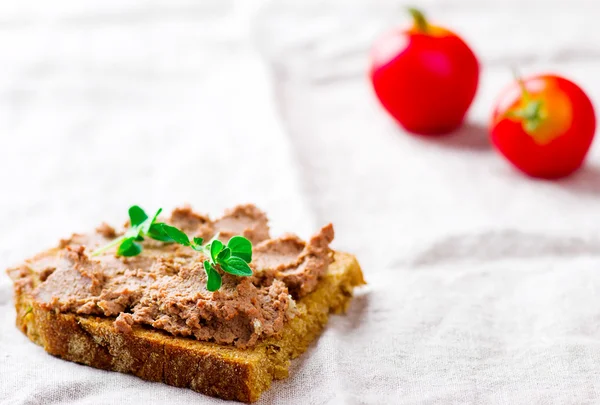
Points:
x=217 y=306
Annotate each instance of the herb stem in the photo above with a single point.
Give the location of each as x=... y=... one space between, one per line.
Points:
x=108 y=246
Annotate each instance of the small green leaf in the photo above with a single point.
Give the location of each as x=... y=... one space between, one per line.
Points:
x=177 y=235
x=147 y=224
x=134 y=250
x=197 y=244
x=237 y=267
x=213 y=281
x=223 y=255
x=241 y=247
x=157 y=232
x=136 y=215
x=126 y=243
x=129 y=248
x=215 y=248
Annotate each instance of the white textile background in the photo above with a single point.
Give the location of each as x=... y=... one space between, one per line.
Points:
x=483 y=284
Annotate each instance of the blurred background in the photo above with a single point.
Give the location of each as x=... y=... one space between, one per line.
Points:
x=104 y=104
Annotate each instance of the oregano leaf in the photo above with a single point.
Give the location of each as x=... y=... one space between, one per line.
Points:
x=177 y=235
x=215 y=248
x=223 y=255
x=213 y=280
x=237 y=267
x=157 y=232
x=129 y=248
x=241 y=247
x=136 y=215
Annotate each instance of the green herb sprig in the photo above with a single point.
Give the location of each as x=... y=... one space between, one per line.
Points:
x=234 y=258
x=141 y=225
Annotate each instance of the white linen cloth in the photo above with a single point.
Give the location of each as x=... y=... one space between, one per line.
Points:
x=483 y=284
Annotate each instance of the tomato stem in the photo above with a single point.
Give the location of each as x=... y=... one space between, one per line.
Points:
x=419 y=19
x=531 y=110
x=521 y=83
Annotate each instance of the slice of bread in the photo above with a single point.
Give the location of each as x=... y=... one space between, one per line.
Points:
x=212 y=369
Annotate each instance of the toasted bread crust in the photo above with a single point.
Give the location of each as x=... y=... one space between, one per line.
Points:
x=216 y=370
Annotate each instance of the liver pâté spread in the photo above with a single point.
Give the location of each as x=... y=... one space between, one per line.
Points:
x=165 y=286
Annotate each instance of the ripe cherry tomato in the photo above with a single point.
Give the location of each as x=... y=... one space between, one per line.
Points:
x=544 y=125
x=425 y=77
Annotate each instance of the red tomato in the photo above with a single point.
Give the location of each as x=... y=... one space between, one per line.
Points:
x=544 y=126
x=425 y=77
